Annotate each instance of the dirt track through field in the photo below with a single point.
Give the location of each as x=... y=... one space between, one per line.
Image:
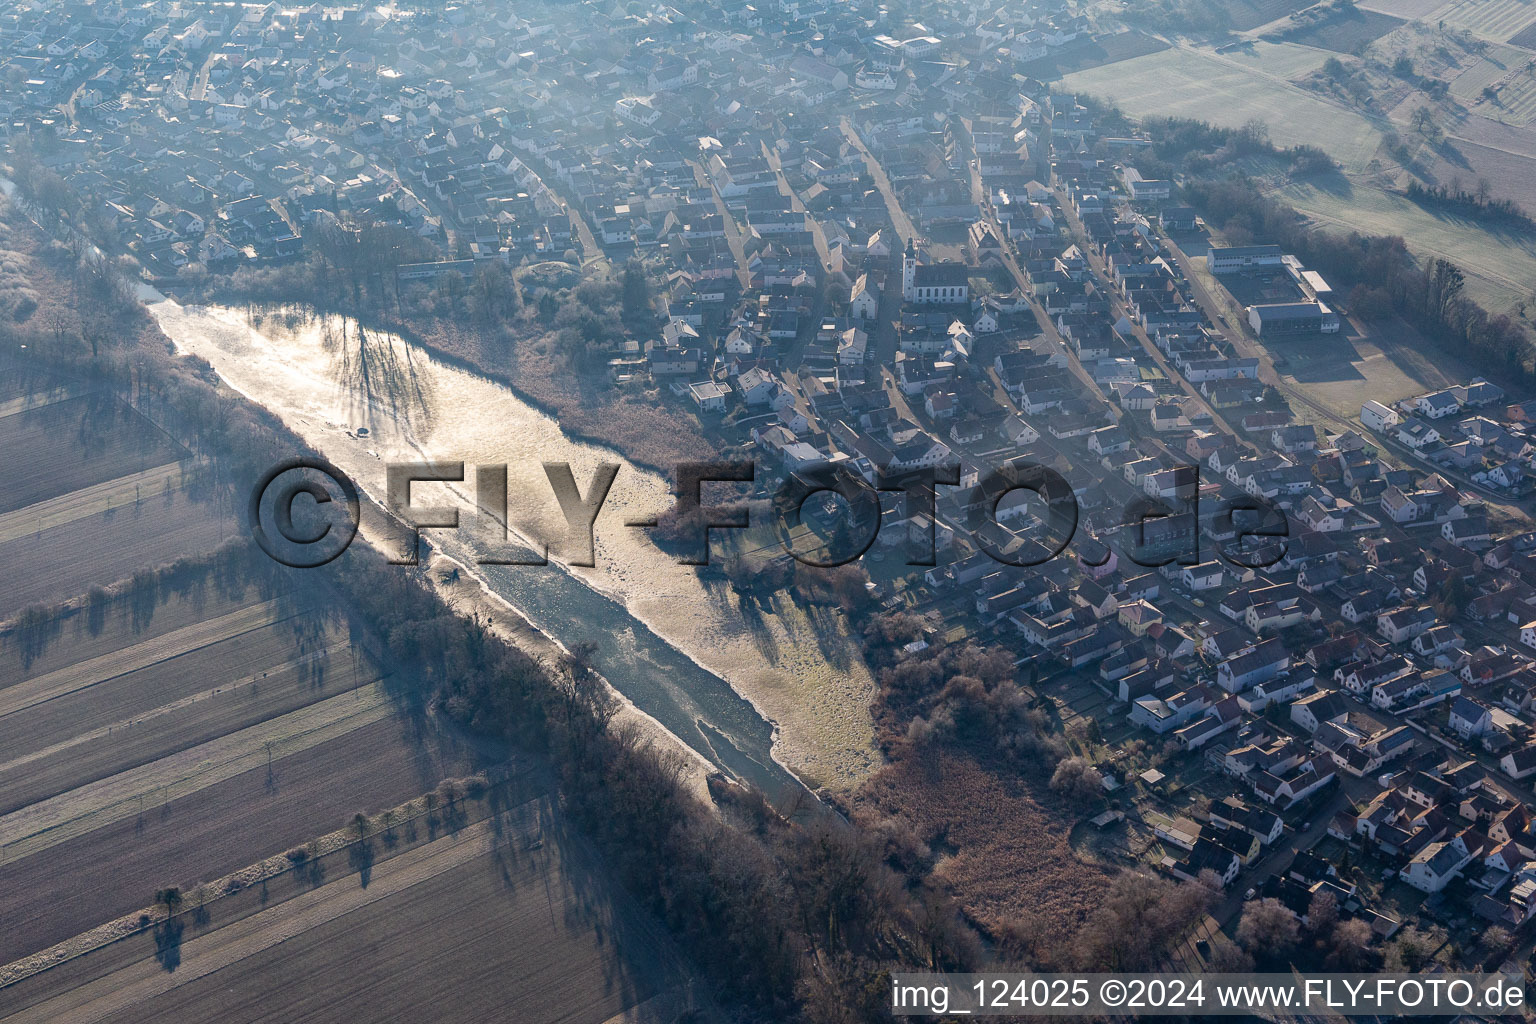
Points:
x=49 y=822
x=39 y=399
x=88 y=501
x=146 y=980
x=96 y=753
x=107 y=667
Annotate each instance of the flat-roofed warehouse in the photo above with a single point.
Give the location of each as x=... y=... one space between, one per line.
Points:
x=1230 y=259
x=1292 y=318
x=1312 y=284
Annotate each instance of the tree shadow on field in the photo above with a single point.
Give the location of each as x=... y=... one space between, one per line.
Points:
x=834 y=650
x=168 y=943
x=360 y=857
x=749 y=605
x=572 y=877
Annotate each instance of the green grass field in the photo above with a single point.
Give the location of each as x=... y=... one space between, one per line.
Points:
x=1500 y=268
x=1230 y=89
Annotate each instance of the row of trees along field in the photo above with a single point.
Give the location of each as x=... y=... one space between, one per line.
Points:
x=1382 y=273
x=790 y=921
x=1477 y=202
x=1383 y=276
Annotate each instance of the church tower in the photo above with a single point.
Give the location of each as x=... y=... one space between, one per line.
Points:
x=909 y=273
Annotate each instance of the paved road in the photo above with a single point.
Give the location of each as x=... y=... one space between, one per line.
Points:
x=733 y=237
x=899 y=219
x=1101 y=272
x=1281 y=854
x=1011 y=265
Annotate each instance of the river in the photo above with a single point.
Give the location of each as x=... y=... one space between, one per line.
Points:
x=767 y=699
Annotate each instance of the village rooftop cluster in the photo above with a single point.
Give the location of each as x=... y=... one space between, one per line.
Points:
x=877 y=256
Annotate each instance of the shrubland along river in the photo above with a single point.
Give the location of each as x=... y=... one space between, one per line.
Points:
x=679 y=648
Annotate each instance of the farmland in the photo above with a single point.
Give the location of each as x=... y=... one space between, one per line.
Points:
x=1497 y=83
x=183 y=740
x=1099 y=52
x=510 y=894
x=85 y=721
x=98 y=491
x=1404 y=8
x=1494 y=20
x=1346 y=34
x=76 y=444
x=108 y=545
x=1230 y=89
x=172 y=724
x=1250 y=14
x=1499 y=267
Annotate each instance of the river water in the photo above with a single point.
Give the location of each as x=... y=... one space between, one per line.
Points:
x=679 y=648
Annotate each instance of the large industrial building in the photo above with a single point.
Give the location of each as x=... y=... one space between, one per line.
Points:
x=1232 y=259
x=1292 y=318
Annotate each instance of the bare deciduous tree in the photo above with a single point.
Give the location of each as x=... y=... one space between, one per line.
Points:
x=1268 y=925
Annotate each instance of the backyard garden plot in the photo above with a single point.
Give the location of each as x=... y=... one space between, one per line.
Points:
x=1231 y=89
x=515 y=906
x=60 y=890
x=70 y=445
x=1495 y=20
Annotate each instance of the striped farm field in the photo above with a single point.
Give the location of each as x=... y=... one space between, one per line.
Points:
x=1494 y=20
x=74 y=444
x=511 y=903
x=88 y=501
x=181 y=732
x=368 y=762
x=80 y=724
x=1494 y=64
x=1514 y=100
x=1409 y=9
x=109 y=545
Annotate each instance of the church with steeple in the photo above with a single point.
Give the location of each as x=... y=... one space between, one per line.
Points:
x=933 y=284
